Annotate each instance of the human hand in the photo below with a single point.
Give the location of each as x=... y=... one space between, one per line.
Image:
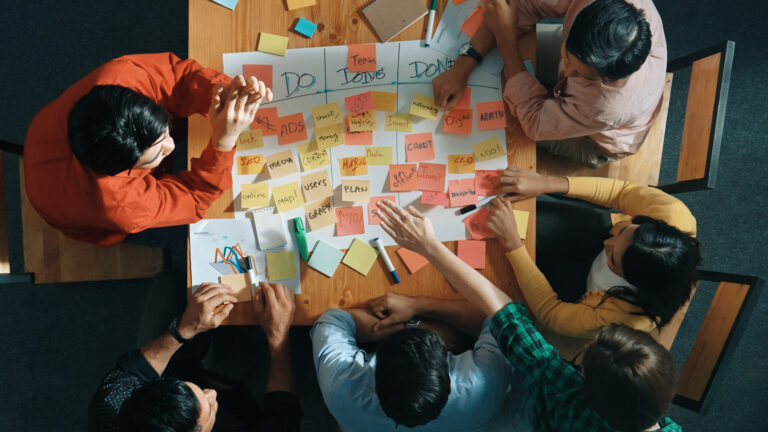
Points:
x=392 y=309
x=274 y=305
x=502 y=222
x=233 y=109
x=409 y=229
x=500 y=16
x=519 y=184
x=449 y=86
x=203 y=311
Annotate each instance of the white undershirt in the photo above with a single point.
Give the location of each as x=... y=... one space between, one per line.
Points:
x=601 y=278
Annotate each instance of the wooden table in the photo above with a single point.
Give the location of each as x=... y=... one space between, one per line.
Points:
x=214 y=30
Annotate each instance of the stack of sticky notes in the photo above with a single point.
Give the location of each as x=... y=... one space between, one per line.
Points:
x=281 y=266
x=360 y=256
x=305 y=27
x=272 y=44
x=325 y=258
x=472 y=252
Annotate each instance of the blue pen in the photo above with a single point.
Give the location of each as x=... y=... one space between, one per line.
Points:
x=383 y=253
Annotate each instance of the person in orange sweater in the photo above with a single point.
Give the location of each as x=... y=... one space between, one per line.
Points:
x=90 y=155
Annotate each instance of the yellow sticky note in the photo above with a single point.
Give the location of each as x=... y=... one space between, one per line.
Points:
x=353 y=166
x=281 y=164
x=360 y=256
x=254 y=195
x=311 y=160
x=316 y=185
x=272 y=44
x=488 y=149
x=327 y=115
x=363 y=122
x=424 y=106
x=461 y=163
x=355 y=190
x=252 y=164
x=240 y=284
x=397 y=122
x=287 y=197
x=298 y=4
x=250 y=139
x=378 y=155
x=330 y=136
x=320 y=213
x=281 y=266
x=521 y=218
x=385 y=101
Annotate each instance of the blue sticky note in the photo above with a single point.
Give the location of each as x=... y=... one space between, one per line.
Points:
x=325 y=258
x=305 y=27
x=227 y=3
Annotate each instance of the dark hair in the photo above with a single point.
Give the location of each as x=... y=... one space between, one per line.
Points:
x=612 y=36
x=163 y=405
x=111 y=126
x=629 y=378
x=412 y=380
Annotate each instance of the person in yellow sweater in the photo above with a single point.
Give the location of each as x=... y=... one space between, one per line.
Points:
x=641 y=278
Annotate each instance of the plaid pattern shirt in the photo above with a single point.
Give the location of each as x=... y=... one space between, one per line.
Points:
x=554 y=384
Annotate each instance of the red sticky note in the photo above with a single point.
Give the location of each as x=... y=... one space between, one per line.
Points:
x=462 y=192
x=435 y=198
x=412 y=260
x=465 y=100
x=486 y=181
x=490 y=115
x=458 y=1
x=349 y=220
x=458 y=121
x=266 y=120
x=419 y=147
x=361 y=58
x=373 y=204
x=432 y=176
x=402 y=177
x=477 y=224
x=261 y=72
x=360 y=103
x=472 y=23
x=472 y=252
x=356 y=138
x=291 y=129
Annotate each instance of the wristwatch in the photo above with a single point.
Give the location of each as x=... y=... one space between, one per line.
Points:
x=412 y=323
x=469 y=51
x=173 y=329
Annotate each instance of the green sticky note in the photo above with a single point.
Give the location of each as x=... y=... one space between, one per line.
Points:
x=360 y=256
x=281 y=266
x=325 y=258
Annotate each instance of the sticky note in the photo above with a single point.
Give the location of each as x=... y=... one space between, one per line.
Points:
x=379 y=155
x=327 y=115
x=488 y=149
x=486 y=181
x=261 y=72
x=462 y=192
x=363 y=122
x=357 y=138
x=461 y=163
x=353 y=166
x=373 y=204
x=360 y=256
x=472 y=252
x=385 y=101
x=313 y=159
x=349 y=220
x=291 y=129
x=458 y=1
x=477 y=224
x=397 y=122
x=472 y=23
x=298 y=4
x=240 y=284
x=419 y=147
x=412 y=260
x=251 y=164
x=287 y=197
x=432 y=177
x=305 y=27
x=266 y=121
x=325 y=258
x=270 y=230
x=521 y=219
x=281 y=164
x=458 y=121
x=316 y=185
x=229 y=4
x=320 y=213
x=272 y=44
x=361 y=58
x=328 y=137
x=281 y=266
x=355 y=190
x=250 y=139
x=435 y=198
x=466 y=99
x=491 y=115
x=254 y=195
x=359 y=103
x=402 y=177
x=423 y=106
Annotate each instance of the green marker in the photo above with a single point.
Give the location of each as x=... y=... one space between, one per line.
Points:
x=301 y=238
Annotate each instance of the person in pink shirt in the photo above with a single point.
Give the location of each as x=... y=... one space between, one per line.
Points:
x=610 y=74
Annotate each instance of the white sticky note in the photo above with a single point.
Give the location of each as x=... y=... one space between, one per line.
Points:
x=270 y=230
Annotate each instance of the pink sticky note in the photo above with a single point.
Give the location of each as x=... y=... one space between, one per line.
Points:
x=490 y=115
x=361 y=58
x=412 y=260
x=462 y=192
x=472 y=252
x=465 y=100
x=266 y=120
x=360 y=103
x=261 y=72
x=458 y=121
x=373 y=204
x=402 y=177
x=291 y=129
x=477 y=224
x=419 y=147
x=356 y=138
x=472 y=23
x=435 y=198
x=349 y=220
x=432 y=176
x=486 y=181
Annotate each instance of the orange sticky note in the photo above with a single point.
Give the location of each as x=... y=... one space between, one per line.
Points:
x=349 y=220
x=356 y=138
x=385 y=101
x=252 y=164
x=402 y=177
x=291 y=129
x=361 y=58
x=458 y=121
x=373 y=204
x=412 y=260
x=458 y=1
x=477 y=224
x=320 y=213
x=266 y=120
x=486 y=181
x=363 y=122
x=462 y=192
x=353 y=166
x=461 y=163
x=491 y=115
x=261 y=72
x=419 y=147
x=472 y=252
x=360 y=103
x=472 y=23
x=435 y=198
x=432 y=177
x=466 y=99
x=250 y=139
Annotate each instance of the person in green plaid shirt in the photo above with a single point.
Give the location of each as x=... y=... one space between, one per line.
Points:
x=628 y=380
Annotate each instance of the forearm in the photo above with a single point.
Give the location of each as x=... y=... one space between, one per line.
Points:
x=459 y=314
x=280 y=370
x=483 y=41
x=510 y=55
x=159 y=351
x=364 y=322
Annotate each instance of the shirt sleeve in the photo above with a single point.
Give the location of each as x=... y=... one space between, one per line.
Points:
x=529 y=12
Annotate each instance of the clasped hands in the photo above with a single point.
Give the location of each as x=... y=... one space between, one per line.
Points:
x=233 y=108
